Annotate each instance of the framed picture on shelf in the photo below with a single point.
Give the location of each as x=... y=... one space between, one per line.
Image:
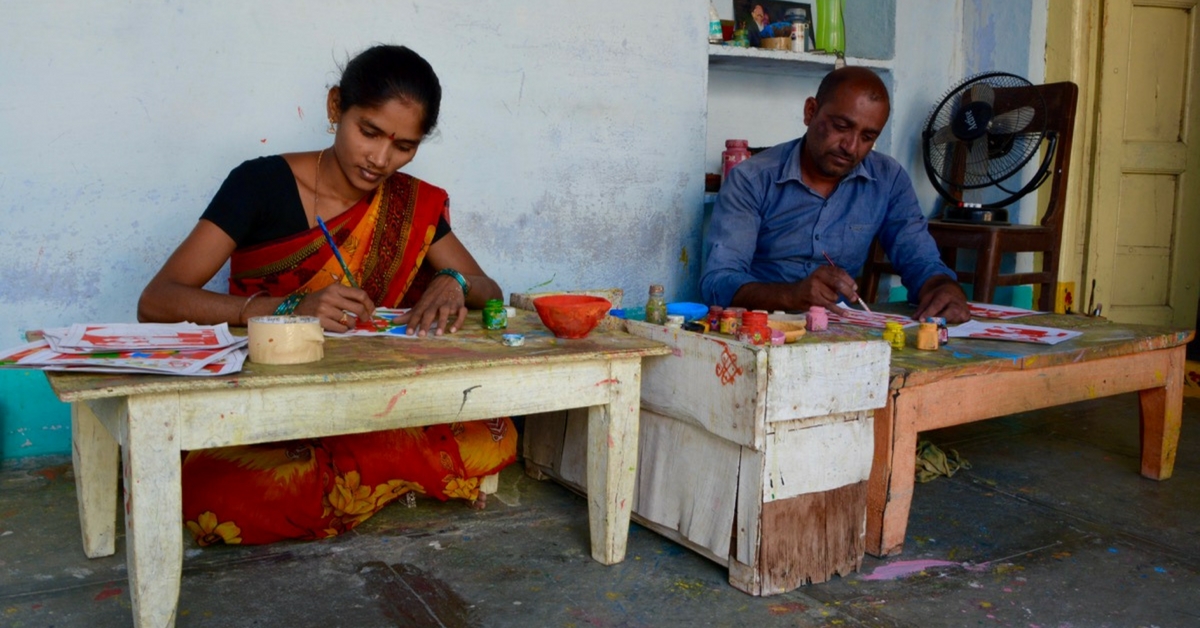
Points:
x=773 y=18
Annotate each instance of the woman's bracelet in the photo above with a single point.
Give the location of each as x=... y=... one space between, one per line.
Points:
x=462 y=281
x=289 y=304
x=242 y=312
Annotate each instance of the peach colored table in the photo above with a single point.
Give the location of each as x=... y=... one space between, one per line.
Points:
x=972 y=380
x=363 y=384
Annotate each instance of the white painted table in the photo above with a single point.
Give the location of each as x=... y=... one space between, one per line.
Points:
x=363 y=384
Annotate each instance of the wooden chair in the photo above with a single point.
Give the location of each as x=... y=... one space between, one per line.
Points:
x=991 y=241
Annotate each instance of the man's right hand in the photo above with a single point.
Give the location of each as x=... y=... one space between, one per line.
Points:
x=826 y=287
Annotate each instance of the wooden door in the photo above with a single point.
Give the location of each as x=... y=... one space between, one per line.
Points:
x=1143 y=249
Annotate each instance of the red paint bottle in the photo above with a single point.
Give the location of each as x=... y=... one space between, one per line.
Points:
x=736 y=151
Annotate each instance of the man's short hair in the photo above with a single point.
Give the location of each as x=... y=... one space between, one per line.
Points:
x=862 y=77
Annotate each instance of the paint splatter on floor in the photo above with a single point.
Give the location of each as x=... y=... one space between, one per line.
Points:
x=909 y=567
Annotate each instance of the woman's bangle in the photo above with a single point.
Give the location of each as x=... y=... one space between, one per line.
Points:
x=242 y=312
x=289 y=304
x=462 y=281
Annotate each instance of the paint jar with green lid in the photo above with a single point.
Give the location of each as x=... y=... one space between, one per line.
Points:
x=494 y=314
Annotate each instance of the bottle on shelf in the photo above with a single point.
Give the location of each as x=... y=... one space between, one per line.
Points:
x=656 y=306
x=830 y=30
x=715 y=34
x=736 y=151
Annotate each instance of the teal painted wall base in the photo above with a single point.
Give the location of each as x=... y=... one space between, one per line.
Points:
x=32 y=420
x=1016 y=296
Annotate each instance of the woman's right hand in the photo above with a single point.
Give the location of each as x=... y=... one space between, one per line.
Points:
x=339 y=307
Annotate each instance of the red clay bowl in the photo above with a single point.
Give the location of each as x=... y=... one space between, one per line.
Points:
x=571 y=315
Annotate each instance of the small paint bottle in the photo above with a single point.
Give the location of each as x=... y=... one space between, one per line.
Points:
x=729 y=323
x=736 y=151
x=656 y=306
x=817 y=319
x=927 y=337
x=943 y=329
x=494 y=314
x=714 y=316
x=893 y=333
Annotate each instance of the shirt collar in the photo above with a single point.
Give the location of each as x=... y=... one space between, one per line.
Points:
x=791 y=166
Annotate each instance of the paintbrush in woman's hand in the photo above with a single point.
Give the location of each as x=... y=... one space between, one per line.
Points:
x=337 y=253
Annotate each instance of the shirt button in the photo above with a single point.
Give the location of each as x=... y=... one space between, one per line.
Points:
x=817 y=237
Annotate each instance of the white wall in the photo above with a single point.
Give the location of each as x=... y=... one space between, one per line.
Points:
x=571 y=141
x=566 y=159
x=573 y=136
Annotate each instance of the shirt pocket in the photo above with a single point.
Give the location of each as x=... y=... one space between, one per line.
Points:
x=856 y=241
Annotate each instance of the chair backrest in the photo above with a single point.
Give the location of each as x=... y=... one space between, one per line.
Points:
x=1061 y=99
x=1059 y=119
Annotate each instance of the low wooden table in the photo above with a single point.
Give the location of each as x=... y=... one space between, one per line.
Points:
x=972 y=380
x=362 y=384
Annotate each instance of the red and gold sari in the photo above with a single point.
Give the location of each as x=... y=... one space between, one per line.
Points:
x=316 y=488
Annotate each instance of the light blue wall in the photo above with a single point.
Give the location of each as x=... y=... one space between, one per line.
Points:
x=572 y=140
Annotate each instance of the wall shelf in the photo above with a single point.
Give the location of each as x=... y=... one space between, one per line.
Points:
x=782 y=61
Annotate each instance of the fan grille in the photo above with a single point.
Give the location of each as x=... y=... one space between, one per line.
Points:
x=982 y=132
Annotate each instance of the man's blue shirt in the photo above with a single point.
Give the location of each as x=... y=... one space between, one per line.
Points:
x=768 y=226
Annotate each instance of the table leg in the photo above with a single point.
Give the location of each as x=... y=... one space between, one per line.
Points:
x=893 y=475
x=612 y=462
x=153 y=510
x=1161 y=416
x=94 y=455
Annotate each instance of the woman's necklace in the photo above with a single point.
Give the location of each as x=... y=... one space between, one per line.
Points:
x=317 y=186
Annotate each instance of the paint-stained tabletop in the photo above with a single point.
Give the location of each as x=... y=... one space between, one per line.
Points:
x=378 y=357
x=1101 y=338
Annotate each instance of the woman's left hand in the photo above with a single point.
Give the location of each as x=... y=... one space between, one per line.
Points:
x=442 y=303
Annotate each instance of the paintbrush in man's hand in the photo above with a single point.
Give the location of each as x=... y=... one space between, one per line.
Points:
x=856 y=297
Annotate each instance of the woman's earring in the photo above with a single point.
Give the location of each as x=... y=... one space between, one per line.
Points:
x=332 y=129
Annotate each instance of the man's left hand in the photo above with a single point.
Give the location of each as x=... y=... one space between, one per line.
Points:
x=942 y=296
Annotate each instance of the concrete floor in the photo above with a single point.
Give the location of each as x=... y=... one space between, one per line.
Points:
x=1051 y=526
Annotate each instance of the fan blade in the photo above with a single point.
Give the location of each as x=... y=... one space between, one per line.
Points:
x=982 y=92
x=944 y=135
x=1012 y=121
x=977 y=159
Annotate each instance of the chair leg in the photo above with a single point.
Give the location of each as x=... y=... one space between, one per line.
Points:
x=869 y=288
x=1050 y=288
x=987 y=268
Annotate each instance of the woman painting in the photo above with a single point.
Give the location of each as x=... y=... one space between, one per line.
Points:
x=394 y=234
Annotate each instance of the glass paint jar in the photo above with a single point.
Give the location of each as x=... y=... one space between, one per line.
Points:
x=656 y=306
x=494 y=314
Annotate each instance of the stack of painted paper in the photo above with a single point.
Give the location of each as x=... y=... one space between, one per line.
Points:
x=164 y=349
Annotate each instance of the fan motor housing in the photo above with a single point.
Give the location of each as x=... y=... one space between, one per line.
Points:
x=972 y=121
